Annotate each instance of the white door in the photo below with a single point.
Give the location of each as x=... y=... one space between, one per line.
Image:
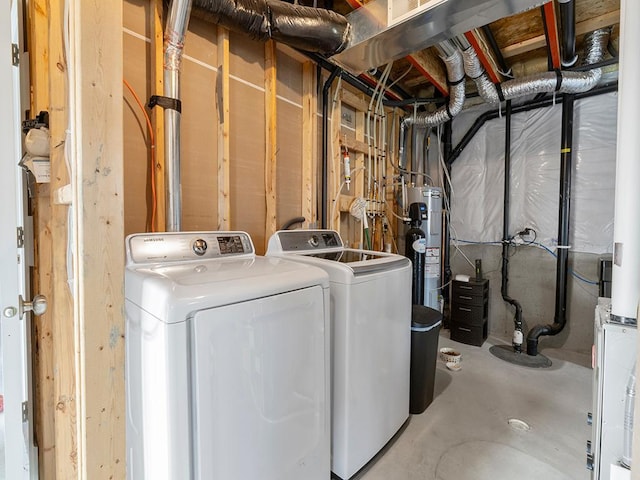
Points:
x=18 y=458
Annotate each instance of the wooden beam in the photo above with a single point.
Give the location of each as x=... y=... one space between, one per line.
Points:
x=61 y=305
x=606 y=20
x=478 y=43
x=551 y=33
x=353 y=144
x=98 y=248
x=431 y=67
x=157 y=114
x=309 y=141
x=43 y=373
x=271 y=147
x=224 y=100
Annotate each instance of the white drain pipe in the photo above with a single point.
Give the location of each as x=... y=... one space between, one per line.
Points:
x=626 y=234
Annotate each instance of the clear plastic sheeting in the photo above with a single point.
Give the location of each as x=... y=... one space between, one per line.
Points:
x=477 y=177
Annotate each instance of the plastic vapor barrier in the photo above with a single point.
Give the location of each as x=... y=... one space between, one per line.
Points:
x=477 y=177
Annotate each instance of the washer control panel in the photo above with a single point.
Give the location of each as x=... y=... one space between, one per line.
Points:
x=181 y=246
x=304 y=240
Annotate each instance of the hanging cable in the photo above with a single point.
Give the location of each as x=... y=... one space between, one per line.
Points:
x=152 y=147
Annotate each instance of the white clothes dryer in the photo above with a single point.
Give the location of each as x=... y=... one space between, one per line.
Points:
x=227 y=361
x=370 y=345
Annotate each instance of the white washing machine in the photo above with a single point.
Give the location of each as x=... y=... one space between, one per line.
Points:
x=227 y=361
x=370 y=344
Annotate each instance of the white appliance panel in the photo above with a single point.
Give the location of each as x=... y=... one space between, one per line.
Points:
x=200 y=308
x=615 y=356
x=371 y=332
x=157 y=388
x=260 y=387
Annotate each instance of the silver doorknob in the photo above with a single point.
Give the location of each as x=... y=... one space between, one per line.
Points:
x=38 y=305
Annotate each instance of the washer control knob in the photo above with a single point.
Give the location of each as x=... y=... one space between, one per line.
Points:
x=200 y=247
x=314 y=241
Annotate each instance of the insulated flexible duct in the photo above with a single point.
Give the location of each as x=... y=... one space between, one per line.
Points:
x=306 y=28
x=547 y=82
x=455 y=77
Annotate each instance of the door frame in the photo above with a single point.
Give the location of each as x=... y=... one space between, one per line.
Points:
x=20 y=456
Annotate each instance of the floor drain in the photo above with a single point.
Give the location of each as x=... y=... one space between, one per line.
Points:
x=518 y=424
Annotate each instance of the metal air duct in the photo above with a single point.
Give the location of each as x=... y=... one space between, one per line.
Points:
x=174 y=34
x=547 y=82
x=385 y=30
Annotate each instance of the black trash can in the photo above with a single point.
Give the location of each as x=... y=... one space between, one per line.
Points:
x=425 y=329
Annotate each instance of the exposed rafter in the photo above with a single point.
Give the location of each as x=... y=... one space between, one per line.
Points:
x=550 y=20
x=610 y=18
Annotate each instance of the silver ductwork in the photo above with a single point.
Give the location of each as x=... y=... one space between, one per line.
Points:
x=385 y=30
x=305 y=28
x=452 y=58
x=455 y=79
x=547 y=82
x=175 y=32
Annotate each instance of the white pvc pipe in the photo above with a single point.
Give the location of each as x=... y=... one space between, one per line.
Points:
x=626 y=234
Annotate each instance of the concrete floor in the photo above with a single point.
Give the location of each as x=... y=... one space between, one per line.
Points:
x=465 y=433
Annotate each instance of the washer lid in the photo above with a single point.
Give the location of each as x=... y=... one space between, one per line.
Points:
x=173 y=289
x=325 y=248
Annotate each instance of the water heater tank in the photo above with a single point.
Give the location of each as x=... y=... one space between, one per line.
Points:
x=432 y=228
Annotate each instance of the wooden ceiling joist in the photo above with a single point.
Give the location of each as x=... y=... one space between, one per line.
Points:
x=550 y=19
x=426 y=62
x=608 y=19
x=431 y=67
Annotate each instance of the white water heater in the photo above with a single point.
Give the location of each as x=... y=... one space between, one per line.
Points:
x=432 y=228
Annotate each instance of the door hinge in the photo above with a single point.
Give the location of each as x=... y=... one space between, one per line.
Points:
x=15 y=54
x=25 y=412
x=20 y=237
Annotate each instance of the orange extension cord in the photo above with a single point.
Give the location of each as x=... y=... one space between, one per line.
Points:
x=152 y=146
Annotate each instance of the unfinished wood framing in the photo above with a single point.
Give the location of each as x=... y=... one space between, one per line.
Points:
x=61 y=303
x=43 y=373
x=157 y=114
x=271 y=147
x=41 y=278
x=553 y=41
x=431 y=67
x=539 y=41
x=309 y=141
x=98 y=248
x=224 y=209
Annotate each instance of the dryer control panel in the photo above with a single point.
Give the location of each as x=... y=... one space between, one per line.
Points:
x=180 y=246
